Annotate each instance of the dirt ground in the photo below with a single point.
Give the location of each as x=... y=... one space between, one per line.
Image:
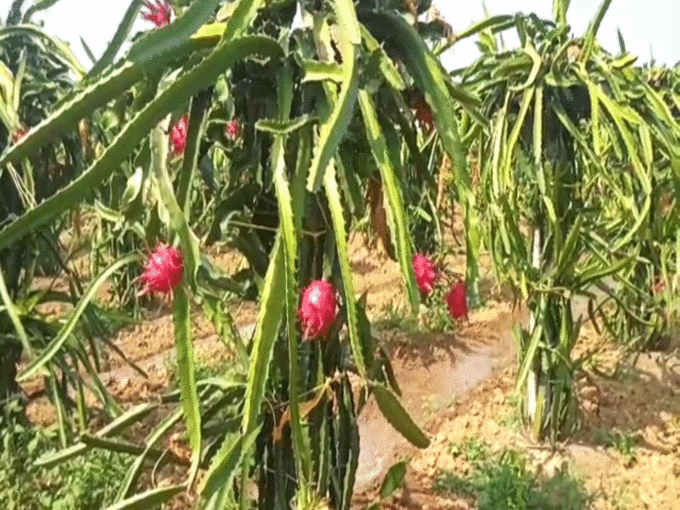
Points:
x=459 y=385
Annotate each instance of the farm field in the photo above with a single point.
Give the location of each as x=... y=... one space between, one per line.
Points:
x=275 y=255
x=459 y=384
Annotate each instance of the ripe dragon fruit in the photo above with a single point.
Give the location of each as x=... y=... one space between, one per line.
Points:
x=457 y=301
x=178 y=135
x=163 y=270
x=157 y=12
x=318 y=310
x=425 y=273
x=233 y=130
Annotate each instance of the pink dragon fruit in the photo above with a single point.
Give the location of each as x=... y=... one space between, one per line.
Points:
x=233 y=129
x=425 y=273
x=318 y=310
x=178 y=135
x=660 y=286
x=457 y=301
x=163 y=270
x=157 y=12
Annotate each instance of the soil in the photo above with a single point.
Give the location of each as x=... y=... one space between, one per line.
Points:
x=459 y=385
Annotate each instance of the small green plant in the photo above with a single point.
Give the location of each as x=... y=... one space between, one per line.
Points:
x=503 y=481
x=512 y=420
x=624 y=497
x=475 y=450
x=437 y=316
x=561 y=490
x=451 y=483
x=204 y=369
x=622 y=442
x=84 y=483
x=393 y=316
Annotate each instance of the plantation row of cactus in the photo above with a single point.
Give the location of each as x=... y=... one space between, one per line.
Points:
x=277 y=128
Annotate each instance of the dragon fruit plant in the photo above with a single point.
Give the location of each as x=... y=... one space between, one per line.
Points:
x=36 y=75
x=568 y=211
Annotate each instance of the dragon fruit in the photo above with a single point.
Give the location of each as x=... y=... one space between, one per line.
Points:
x=319 y=309
x=163 y=270
x=660 y=286
x=423 y=114
x=178 y=135
x=457 y=301
x=157 y=12
x=425 y=273
x=233 y=130
x=421 y=109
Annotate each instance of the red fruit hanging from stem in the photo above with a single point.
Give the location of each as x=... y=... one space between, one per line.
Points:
x=163 y=270
x=233 y=129
x=457 y=301
x=660 y=286
x=421 y=109
x=318 y=310
x=424 y=115
x=157 y=12
x=425 y=273
x=178 y=135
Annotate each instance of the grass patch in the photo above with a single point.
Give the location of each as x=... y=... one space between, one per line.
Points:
x=503 y=481
x=87 y=482
x=623 y=442
x=434 y=316
x=221 y=368
x=394 y=317
x=512 y=420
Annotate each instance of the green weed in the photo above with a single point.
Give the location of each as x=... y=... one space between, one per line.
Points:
x=503 y=481
x=624 y=497
x=394 y=317
x=87 y=482
x=623 y=442
x=204 y=370
x=436 y=317
x=474 y=449
x=512 y=420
